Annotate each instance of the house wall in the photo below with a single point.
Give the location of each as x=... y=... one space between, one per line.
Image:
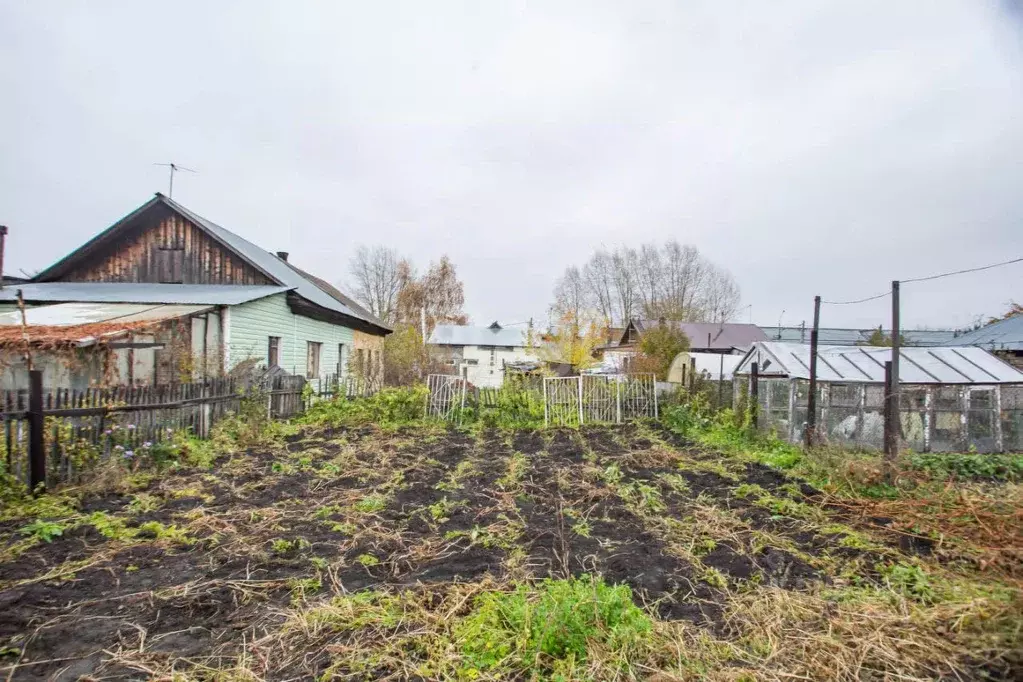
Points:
x=488 y=371
x=164 y=247
x=250 y=325
x=369 y=351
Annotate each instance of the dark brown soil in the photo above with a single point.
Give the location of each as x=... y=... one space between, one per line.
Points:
x=371 y=510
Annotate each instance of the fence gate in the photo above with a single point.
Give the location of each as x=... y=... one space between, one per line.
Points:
x=446 y=397
x=596 y=398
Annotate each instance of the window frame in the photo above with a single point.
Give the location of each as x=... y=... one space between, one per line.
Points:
x=313 y=357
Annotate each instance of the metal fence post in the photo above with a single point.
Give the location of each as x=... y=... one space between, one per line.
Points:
x=580 y=399
x=653 y=382
x=36 y=440
x=546 y=413
x=618 y=400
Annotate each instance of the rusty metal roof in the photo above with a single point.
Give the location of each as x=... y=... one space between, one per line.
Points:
x=865 y=364
x=84 y=323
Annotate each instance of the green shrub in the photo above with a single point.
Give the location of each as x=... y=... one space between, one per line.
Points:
x=389 y=406
x=535 y=627
x=996 y=467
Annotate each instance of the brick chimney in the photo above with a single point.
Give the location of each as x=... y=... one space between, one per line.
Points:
x=283 y=255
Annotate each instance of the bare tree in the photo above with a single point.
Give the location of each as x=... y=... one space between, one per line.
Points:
x=571 y=297
x=439 y=293
x=674 y=281
x=376 y=274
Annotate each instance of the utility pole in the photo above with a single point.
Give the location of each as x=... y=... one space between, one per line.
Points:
x=894 y=413
x=3 y=243
x=811 y=412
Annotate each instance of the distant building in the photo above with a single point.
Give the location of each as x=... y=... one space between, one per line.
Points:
x=704 y=337
x=839 y=336
x=1004 y=338
x=479 y=354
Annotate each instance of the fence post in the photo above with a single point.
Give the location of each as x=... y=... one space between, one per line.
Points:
x=618 y=399
x=580 y=399
x=206 y=409
x=546 y=413
x=36 y=440
x=754 y=395
x=653 y=382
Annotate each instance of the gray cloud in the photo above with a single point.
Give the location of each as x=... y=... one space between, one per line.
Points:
x=808 y=147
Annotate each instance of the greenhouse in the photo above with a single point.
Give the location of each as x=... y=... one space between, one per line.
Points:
x=952 y=399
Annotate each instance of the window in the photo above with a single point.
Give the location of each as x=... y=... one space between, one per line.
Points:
x=273 y=351
x=312 y=361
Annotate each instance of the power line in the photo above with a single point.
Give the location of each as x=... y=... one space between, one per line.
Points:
x=963 y=272
x=927 y=279
x=859 y=300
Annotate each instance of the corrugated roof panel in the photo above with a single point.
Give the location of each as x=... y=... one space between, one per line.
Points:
x=74 y=314
x=130 y=292
x=1002 y=335
x=919 y=365
x=463 y=335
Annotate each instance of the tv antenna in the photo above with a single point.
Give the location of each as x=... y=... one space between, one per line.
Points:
x=173 y=169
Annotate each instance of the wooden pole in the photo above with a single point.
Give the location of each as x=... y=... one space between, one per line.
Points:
x=811 y=411
x=36 y=442
x=894 y=415
x=721 y=377
x=887 y=411
x=754 y=395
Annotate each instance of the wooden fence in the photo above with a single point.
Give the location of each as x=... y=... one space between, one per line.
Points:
x=51 y=436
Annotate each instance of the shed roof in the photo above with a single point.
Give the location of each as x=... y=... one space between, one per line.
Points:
x=127 y=292
x=464 y=335
x=865 y=364
x=1004 y=334
x=83 y=323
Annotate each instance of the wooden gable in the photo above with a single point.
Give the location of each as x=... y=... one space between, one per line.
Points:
x=156 y=245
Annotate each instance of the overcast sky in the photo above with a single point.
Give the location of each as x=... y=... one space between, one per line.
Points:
x=809 y=147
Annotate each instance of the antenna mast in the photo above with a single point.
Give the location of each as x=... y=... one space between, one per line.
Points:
x=173 y=169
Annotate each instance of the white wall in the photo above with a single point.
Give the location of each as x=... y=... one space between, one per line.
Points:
x=489 y=368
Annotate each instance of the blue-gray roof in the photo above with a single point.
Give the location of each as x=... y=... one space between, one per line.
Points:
x=463 y=335
x=130 y=292
x=1002 y=335
x=833 y=336
x=275 y=268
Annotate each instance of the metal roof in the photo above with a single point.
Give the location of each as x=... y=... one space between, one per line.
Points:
x=721 y=336
x=127 y=292
x=73 y=314
x=1004 y=334
x=462 y=335
x=274 y=267
x=835 y=336
x=85 y=323
x=865 y=364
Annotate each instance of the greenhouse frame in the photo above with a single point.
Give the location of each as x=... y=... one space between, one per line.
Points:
x=952 y=399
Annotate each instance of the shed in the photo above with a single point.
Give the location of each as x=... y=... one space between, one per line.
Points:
x=952 y=398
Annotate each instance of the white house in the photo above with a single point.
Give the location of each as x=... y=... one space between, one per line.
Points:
x=480 y=354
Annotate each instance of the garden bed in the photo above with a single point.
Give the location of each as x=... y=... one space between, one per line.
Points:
x=363 y=554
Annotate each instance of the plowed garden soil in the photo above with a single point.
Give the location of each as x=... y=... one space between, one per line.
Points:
x=232 y=573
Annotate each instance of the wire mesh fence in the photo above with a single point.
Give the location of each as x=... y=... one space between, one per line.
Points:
x=446 y=397
x=599 y=398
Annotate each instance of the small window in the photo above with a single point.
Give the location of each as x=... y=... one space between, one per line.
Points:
x=273 y=351
x=312 y=365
